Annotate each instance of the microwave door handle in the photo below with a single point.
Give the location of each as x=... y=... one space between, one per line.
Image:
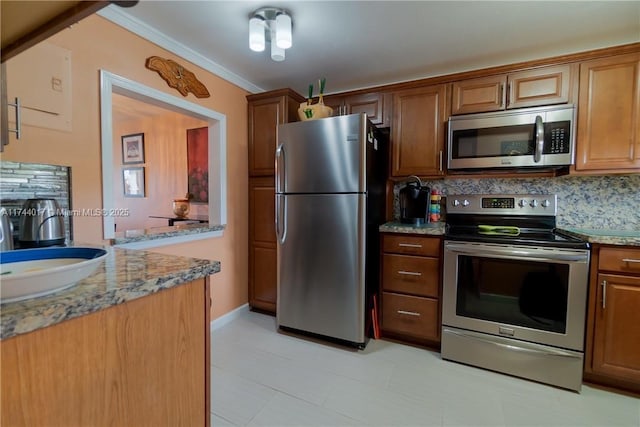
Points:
x=539 y=145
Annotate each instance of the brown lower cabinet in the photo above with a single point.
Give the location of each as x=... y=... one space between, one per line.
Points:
x=262 y=244
x=410 y=288
x=613 y=330
x=141 y=363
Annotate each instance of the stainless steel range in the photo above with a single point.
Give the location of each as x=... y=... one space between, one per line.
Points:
x=514 y=288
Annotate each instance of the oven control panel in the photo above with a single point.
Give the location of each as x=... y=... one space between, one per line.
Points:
x=503 y=204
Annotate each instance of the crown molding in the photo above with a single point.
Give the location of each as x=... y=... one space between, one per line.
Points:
x=126 y=21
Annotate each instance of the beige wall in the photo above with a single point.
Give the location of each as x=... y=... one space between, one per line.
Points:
x=95 y=44
x=165 y=169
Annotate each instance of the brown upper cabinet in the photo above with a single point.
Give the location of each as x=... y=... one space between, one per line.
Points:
x=608 y=137
x=373 y=104
x=418 y=131
x=530 y=88
x=266 y=111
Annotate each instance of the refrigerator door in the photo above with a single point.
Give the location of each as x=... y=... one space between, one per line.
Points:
x=321 y=264
x=322 y=156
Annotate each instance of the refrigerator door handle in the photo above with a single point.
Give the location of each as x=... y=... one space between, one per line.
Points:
x=281 y=218
x=280 y=168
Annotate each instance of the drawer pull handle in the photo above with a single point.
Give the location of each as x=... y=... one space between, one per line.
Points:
x=637 y=261
x=409 y=245
x=409 y=313
x=410 y=273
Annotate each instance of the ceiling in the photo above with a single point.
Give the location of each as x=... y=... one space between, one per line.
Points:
x=360 y=44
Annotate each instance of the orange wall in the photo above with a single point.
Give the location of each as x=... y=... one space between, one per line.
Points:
x=95 y=44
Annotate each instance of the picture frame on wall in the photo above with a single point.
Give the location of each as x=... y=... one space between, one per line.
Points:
x=133 y=148
x=198 y=164
x=133 y=181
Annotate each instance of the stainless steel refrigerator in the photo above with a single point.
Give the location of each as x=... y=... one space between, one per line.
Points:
x=330 y=200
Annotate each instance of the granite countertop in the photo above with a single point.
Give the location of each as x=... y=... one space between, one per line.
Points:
x=124 y=275
x=155 y=233
x=432 y=228
x=605 y=236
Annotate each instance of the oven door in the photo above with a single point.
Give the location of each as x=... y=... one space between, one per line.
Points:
x=527 y=293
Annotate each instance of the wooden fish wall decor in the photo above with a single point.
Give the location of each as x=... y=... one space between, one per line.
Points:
x=177 y=77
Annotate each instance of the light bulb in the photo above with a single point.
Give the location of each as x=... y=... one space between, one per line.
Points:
x=283 y=31
x=256 y=34
x=277 y=54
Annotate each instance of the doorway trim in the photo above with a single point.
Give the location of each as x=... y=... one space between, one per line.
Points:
x=111 y=83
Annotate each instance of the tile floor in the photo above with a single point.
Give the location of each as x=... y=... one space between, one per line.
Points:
x=261 y=377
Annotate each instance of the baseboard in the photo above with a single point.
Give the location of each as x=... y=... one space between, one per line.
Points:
x=226 y=318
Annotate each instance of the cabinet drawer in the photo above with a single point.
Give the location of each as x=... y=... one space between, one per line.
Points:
x=624 y=260
x=411 y=245
x=410 y=274
x=409 y=315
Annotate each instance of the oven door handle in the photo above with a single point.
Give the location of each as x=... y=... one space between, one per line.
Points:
x=517 y=254
x=546 y=352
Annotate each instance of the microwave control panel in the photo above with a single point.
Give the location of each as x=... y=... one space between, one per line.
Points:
x=556 y=138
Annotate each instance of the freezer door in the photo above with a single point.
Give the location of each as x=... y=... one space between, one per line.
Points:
x=322 y=156
x=321 y=271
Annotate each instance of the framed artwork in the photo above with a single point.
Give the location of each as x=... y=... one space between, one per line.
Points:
x=198 y=164
x=133 y=148
x=133 y=180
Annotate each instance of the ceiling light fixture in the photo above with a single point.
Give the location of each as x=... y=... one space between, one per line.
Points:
x=270 y=24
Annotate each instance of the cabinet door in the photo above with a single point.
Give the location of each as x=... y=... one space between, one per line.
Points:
x=543 y=86
x=142 y=363
x=370 y=103
x=411 y=245
x=373 y=104
x=616 y=348
x=262 y=244
x=411 y=275
x=419 y=122
x=264 y=117
x=410 y=315
x=335 y=102
x=479 y=95
x=608 y=137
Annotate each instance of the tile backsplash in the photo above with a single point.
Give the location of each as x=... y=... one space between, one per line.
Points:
x=21 y=181
x=593 y=202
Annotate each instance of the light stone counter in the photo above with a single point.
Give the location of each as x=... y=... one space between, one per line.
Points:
x=435 y=229
x=123 y=276
x=143 y=235
x=606 y=237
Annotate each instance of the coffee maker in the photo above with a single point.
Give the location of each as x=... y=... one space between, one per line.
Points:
x=414 y=202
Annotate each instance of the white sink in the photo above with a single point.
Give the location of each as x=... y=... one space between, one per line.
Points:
x=32 y=273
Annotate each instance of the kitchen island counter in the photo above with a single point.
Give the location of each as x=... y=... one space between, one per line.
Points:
x=125 y=275
x=605 y=236
x=434 y=229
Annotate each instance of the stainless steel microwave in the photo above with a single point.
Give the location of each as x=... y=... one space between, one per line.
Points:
x=541 y=137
